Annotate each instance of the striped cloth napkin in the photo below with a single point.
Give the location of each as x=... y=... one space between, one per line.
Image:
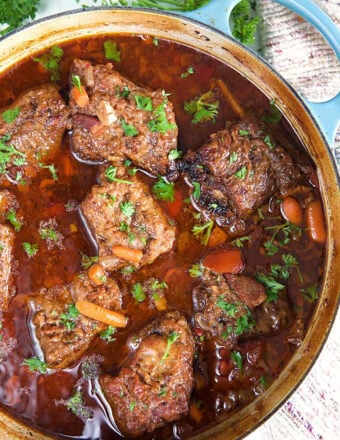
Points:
x=300 y=54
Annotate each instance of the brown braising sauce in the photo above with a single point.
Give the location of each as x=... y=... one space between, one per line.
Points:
x=37 y=399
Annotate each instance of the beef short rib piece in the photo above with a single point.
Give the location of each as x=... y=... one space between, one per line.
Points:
x=123 y=213
x=238 y=170
x=154 y=386
x=8 y=202
x=235 y=307
x=64 y=336
x=36 y=132
x=121 y=120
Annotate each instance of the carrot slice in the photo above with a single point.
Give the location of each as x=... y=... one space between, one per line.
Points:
x=96 y=274
x=195 y=413
x=101 y=314
x=129 y=254
x=315 y=222
x=80 y=96
x=292 y=210
x=161 y=304
x=217 y=236
x=224 y=261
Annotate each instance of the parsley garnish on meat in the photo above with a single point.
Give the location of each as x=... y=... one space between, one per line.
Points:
x=127 y=208
x=14 y=13
x=229 y=308
x=30 y=248
x=10 y=115
x=272 y=286
x=233 y=157
x=35 y=364
x=241 y=174
x=68 y=319
x=50 y=60
x=138 y=292
x=14 y=221
x=164 y=190
x=143 y=103
x=129 y=130
x=287 y=231
x=9 y=154
x=204 y=108
x=159 y=122
x=111 y=50
x=172 y=338
x=244 y=25
x=110 y=174
x=203 y=231
x=175 y=154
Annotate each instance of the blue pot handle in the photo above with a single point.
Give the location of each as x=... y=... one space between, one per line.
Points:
x=217 y=13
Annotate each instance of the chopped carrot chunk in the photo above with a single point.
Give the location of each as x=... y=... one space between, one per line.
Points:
x=315 y=222
x=101 y=314
x=292 y=210
x=224 y=261
x=129 y=254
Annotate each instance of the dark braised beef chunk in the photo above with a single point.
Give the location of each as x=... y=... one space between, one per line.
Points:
x=121 y=120
x=32 y=130
x=63 y=333
x=238 y=169
x=8 y=206
x=154 y=387
x=129 y=226
x=235 y=307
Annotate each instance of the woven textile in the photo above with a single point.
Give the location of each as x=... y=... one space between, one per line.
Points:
x=303 y=58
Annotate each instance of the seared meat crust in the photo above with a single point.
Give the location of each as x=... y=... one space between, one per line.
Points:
x=154 y=387
x=62 y=345
x=147 y=228
x=235 y=307
x=100 y=128
x=238 y=170
x=37 y=130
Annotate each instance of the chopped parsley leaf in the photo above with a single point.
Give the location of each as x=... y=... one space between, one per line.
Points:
x=237 y=359
x=233 y=157
x=127 y=208
x=273 y=116
x=203 y=231
x=87 y=261
x=272 y=286
x=241 y=174
x=9 y=154
x=12 y=218
x=107 y=334
x=195 y=270
x=310 y=293
x=164 y=190
x=204 y=108
x=197 y=190
x=244 y=25
x=30 y=249
x=110 y=174
x=68 y=319
x=35 y=364
x=10 y=115
x=76 y=405
x=268 y=142
x=143 y=103
x=111 y=50
x=129 y=130
x=239 y=242
x=172 y=338
x=75 y=79
x=175 y=154
x=138 y=292
x=50 y=60
x=190 y=71
x=159 y=122
x=229 y=308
